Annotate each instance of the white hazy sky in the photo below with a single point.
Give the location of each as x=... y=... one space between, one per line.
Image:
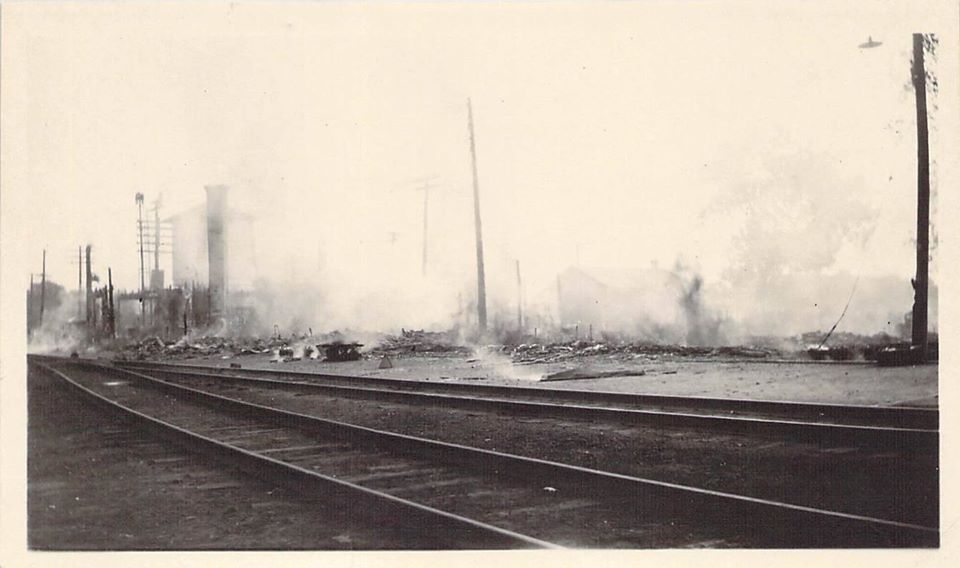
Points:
x=616 y=134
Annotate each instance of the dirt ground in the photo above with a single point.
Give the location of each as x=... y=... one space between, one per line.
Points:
x=102 y=486
x=884 y=484
x=160 y=498
x=839 y=383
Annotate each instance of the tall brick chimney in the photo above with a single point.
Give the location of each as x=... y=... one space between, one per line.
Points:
x=217 y=248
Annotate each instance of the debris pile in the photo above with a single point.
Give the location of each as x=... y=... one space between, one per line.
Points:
x=845 y=346
x=282 y=349
x=549 y=353
x=187 y=347
x=336 y=347
x=339 y=351
x=905 y=354
x=579 y=374
x=420 y=341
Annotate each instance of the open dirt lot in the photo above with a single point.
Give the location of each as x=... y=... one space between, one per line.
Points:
x=98 y=484
x=840 y=383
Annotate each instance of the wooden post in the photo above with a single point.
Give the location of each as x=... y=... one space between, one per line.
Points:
x=156 y=236
x=139 y=199
x=89 y=292
x=481 y=284
x=112 y=321
x=519 y=299
x=30 y=308
x=559 y=302
x=426 y=198
x=79 y=282
x=920 y=283
x=43 y=287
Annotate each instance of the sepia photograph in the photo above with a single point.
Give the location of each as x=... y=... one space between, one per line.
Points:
x=475 y=276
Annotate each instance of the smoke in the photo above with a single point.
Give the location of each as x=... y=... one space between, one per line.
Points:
x=803 y=236
x=703 y=326
x=322 y=303
x=651 y=305
x=798 y=212
x=302 y=260
x=59 y=331
x=350 y=260
x=500 y=365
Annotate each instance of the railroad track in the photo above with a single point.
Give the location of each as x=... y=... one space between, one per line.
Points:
x=884 y=428
x=470 y=495
x=893 y=416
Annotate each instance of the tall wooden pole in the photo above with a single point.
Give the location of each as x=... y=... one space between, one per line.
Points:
x=43 y=286
x=426 y=199
x=519 y=298
x=139 y=199
x=30 y=308
x=91 y=315
x=481 y=284
x=112 y=329
x=920 y=283
x=559 y=302
x=156 y=235
x=79 y=283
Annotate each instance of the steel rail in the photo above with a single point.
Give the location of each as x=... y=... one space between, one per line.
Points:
x=893 y=416
x=797 y=525
x=823 y=433
x=299 y=478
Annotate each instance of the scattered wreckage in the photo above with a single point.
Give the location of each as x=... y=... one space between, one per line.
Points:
x=337 y=347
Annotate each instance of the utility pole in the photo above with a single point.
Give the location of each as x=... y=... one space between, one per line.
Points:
x=43 y=286
x=920 y=283
x=90 y=310
x=155 y=283
x=519 y=299
x=79 y=282
x=139 y=199
x=559 y=302
x=425 y=186
x=426 y=199
x=156 y=237
x=30 y=308
x=481 y=285
x=112 y=321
